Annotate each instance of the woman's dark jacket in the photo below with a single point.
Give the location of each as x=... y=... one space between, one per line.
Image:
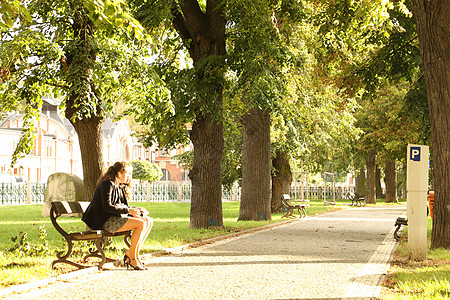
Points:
x=109 y=200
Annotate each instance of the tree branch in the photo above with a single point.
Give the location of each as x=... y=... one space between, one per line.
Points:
x=179 y=24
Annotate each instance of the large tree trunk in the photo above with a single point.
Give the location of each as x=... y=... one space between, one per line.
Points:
x=281 y=179
x=206 y=201
x=255 y=192
x=390 y=180
x=433 y=28
x=90 y=136
x=370 y=196
x=79 y=59
x=360 y=188
x=204 y=35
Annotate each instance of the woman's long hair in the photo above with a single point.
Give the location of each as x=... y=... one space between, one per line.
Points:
x=113 y=174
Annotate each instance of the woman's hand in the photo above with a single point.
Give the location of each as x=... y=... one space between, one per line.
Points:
x=144 y=212
x=134 y=212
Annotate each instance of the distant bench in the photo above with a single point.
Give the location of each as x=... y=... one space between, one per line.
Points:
x=356 y=199
x=289 y=207
x=76 y=209
x=401 y=221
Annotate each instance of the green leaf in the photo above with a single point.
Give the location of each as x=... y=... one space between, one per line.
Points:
x=8 y=21
x=25 y=13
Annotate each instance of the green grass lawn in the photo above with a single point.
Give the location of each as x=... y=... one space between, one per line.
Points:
x=32 y=258
x=429 y=279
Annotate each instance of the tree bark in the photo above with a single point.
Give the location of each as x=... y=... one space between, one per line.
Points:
x=360 y=189
x=390 y=180
x=204 y=35
x=255 y=192
x=433 y=28
x=79 y=58
x=370 y=196
x=206 y=201
x=281 y=179
x=90 y=135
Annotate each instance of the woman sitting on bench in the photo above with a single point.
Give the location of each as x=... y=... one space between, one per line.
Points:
x=109 y=210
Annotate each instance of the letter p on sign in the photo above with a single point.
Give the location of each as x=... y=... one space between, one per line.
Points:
x=415 y=153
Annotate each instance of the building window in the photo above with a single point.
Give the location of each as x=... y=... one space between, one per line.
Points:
x=185 y=176
x=48 y=148
x=127 y=152
x=122 y=150
x=166 y=175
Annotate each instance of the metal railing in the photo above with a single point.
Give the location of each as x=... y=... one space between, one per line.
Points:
x=13 y=193
x=33 y=192
x=321 y=193
x=164 y=192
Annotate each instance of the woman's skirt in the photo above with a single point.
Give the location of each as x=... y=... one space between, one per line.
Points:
x=113 y=224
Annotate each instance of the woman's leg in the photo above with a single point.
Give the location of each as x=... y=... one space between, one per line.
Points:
x=145 y=232
x=148 y=228
x=137 y=226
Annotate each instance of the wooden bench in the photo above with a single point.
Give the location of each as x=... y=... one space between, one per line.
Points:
x=76 y=209
x=401 y=221
x=356 y=200
x=289 y=207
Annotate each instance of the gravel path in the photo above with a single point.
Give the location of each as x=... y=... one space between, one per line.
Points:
x=340 y=255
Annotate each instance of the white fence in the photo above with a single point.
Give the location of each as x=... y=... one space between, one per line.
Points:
x=164 y=192
x=33 y=192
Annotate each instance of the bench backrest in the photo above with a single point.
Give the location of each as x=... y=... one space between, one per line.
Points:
x=286 y=199
x=69 y=208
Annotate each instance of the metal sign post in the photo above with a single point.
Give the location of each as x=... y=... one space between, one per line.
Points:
x=417 y=187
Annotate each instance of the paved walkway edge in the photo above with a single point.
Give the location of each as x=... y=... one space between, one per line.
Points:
x=372 y=274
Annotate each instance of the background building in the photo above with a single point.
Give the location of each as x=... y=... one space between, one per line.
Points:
x=56 y=147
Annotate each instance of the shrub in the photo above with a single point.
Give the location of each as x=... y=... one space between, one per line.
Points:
x=145 y=170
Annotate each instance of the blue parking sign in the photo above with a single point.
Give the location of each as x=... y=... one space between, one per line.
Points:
x=414 y=154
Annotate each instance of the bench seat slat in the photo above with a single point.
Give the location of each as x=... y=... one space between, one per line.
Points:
x=89 y=235
x=85 y=235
